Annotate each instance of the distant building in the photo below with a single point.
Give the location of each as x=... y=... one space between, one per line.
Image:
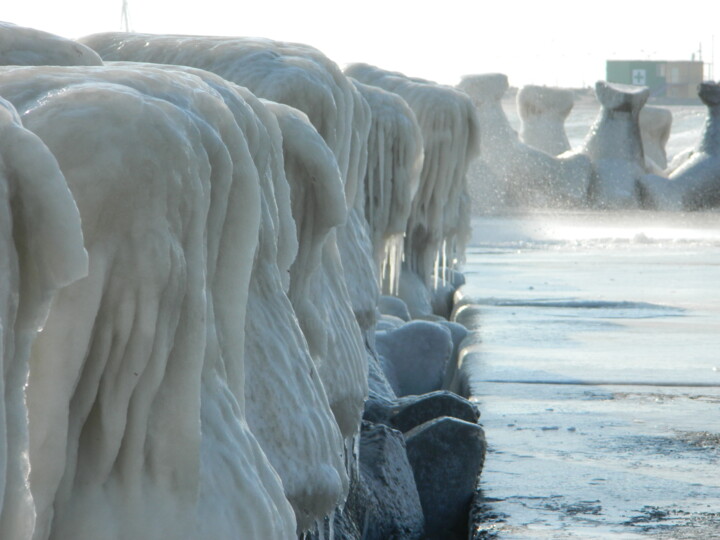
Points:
x=666 y=79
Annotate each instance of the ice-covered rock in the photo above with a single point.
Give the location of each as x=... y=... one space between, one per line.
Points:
x=296 y=75
x=447 y=456
x=41 y=249
x=392 y=305
x=23 y=46
x=415 y=356
x=527 y=176
x=542 y=111
x=409 y=412
x=615 y=147
x=395 y=156
x=695 y=184
x=655 y=125
x=438 y=228
x=139 y=431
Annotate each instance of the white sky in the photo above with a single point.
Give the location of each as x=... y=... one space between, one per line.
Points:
x=550 y=42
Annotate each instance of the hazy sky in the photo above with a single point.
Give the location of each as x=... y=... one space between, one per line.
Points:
x=554 y=42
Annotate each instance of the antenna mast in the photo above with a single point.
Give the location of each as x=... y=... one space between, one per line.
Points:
x=125 y=17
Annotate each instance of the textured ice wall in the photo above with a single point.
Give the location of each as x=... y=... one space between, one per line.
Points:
x=543 y=111
x=438 y=227
x=395 y=157
x=29 y=47
x=615 y=147
x=296 y=75
x=157 y=445
x=695 y=184
x=41 y=249
x=525 y=176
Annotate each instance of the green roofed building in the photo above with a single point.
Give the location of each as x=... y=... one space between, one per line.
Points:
x=665 y=79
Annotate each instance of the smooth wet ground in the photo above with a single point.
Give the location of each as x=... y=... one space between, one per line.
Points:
x=598 y=375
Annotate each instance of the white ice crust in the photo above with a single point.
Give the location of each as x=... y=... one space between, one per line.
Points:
x=543 y=110
x=30 y=47
x=614 y=146
x=438 y=228
x=695 y=184
x=41 y=249
x=137 y=427
x=392 y=178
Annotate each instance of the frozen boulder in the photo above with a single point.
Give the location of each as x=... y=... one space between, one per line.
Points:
x=416 y=295
x=543 y=111
x=392 y=305
x=155 y=407
x=525 y=175
x=447 y=456
x=438 y=226
x=695 y=184
x=395 y=157
x=615 y=147
x=22 y=46
x=408 y=412
x=41 y=248
x=655 y=124
x=415 y=356
x=296 y=75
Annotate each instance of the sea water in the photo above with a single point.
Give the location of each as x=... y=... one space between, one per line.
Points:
x=598 y=370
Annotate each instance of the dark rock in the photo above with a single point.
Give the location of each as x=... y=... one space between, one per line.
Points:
x=447 y=456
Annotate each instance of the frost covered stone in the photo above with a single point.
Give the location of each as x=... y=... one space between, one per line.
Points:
x=543 y=111
x=614 y=146
x=695 y=184
x=29 y=47
x=439 y=224
x=524 y=176
x=41 y=249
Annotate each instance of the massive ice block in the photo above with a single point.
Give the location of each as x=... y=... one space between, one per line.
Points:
x=543 y=111
x=438 y=227
x=655 y=124
x=695 y=184
x=615 y=147
x=296 y=75
x=395 y=157
x=41 y=249
x=527 y=176
x=137 y=430
x=30 y=47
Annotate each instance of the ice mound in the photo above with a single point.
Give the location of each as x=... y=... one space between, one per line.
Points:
x=132 y=389
x=615 y=147
x=543 y=111
x=395 y=157
x=29 y=47
x=41 y=249
x=520 y=174
x=296 y=75
x=438 y=228
x=695 y=184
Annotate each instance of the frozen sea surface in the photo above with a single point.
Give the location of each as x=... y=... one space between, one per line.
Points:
x=598 y=374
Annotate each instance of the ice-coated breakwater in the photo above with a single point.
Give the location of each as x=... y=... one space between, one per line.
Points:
x=198 y=231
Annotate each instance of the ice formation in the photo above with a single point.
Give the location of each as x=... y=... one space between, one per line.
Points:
x=527 y=176
x=695 y=184
x=543 y=111
x=395 y=157
x=438 y=228
x=29 y=47
x=133 y=388
x=296 y=75
x=615 y=147
x=655 y=124
x=41 y=249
